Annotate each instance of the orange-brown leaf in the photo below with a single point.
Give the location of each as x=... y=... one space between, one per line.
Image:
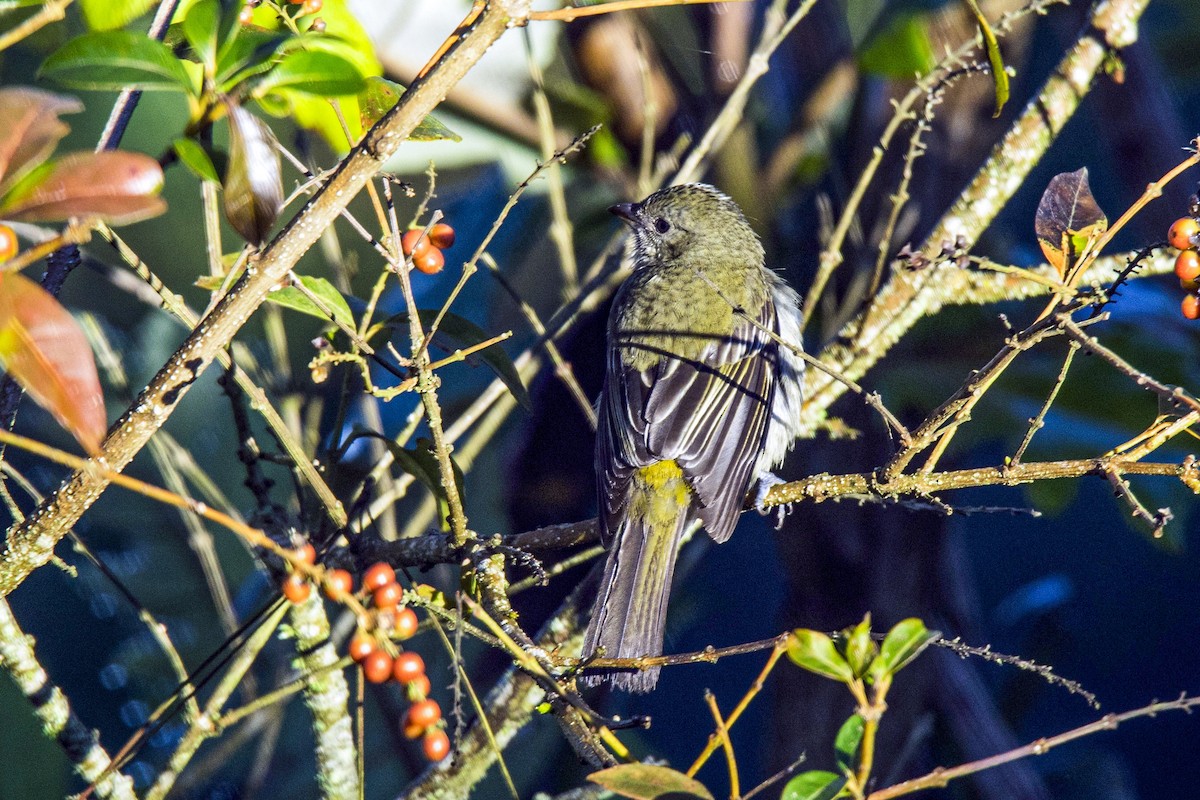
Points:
x=31 y=129
x=46 y=352
x=114 y=186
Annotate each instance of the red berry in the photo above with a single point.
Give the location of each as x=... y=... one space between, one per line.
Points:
x=296 y=588
x=406 y=624
x=1187 y=265
x=418 y=688
x=1190 y=306
x=306 y=554
x=1182 y=233
x=377 y=667
x=436 y=745
x=408 y=666
x=414 y=241
x=388 y=596
x=423 y=713
x=442 y=236
x=430 y=261
x=362 y=644
x=8 y=243
x=411 y=731
x=378 y=575
x=338 y=584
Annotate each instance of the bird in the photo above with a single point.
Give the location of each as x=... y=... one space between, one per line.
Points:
x=698 y=403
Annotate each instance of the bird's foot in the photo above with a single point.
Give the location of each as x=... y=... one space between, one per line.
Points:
x=765 y=482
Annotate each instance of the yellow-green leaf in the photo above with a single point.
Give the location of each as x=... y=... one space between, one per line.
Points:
x=815 y=652
x=648 y=782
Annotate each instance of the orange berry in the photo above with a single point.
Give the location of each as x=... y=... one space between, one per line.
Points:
x=408 y=666
x=1189 y=286
x=1190 y=306
x=338 y=584
x=1182 y=233
x=414 y=241
x=418 y=688
x=406 y=624
x=436 y=745
x=311 y=6
x=8 y=243
x=430 y=261
x=296 y=588
x=377 y=667
x=411 y=731
x=378 y=575
x=306 y=554
x=424 y=713
x=362 y=644
x=1187 y=265
x=317 y=26
x=388 y=596
x=442 y=236
x=246 y=15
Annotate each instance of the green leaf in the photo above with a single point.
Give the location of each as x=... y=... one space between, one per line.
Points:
x=380 y=96
x=648 y=781
x=463 y=333
x=311 y=72
x=815 y=652
x=116 y=60
x=849 y=737
x=903 y=643
x=901 y=50
x=251 y=53
x=193 y=156
x=813 y=785
x=202 y=29
x=107 y=15
x=293 y=298
x=999 y=75
x=860 y=647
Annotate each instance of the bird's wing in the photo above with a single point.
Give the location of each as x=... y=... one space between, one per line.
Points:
x=710 y=415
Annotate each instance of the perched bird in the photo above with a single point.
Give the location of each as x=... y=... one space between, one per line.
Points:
x=698 y=403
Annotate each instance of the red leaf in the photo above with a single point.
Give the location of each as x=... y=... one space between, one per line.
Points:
x=45 y=350
x=31 y=129
x=114 y=186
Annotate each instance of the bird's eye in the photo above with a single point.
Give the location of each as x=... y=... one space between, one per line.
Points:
x=661 y=225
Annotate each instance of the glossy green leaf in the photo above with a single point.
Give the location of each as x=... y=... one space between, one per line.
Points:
x=193 y=156
x=252 y=53
x=115 y=186
x=107 y=15
x=253 y=186
x=903 y=643
x=116 y=60
x=331 y=298
x=201 y=27
x=845 y=746
x=43 y=348
x=815 y=652
x=31 y=131
x=456 y=333
x=813 y=785
x=860 y=648
x=378 y=98
x=312 y=72
x=648 y=782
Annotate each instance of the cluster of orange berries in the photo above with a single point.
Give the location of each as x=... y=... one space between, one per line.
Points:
x=1184 y=236
x=246 y=16
x=371 y=649
x=426 y=250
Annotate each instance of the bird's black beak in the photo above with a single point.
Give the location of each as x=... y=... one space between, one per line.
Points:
x=624 y=210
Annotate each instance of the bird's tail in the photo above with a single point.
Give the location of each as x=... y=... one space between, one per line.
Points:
x=631 y=608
